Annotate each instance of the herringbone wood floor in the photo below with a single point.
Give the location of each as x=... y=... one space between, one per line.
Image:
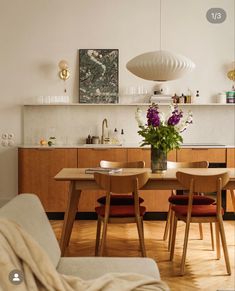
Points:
x=203 y=271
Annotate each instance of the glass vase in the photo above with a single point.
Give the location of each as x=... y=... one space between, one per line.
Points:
x=158 y=160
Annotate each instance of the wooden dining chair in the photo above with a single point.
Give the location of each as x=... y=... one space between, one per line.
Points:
x=174 y=199
x=120 y=213
x=116 y=199
x=192 y=213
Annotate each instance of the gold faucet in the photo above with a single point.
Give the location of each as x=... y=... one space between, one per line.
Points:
x=104 y=139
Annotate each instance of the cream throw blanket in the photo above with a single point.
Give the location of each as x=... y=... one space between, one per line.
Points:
x=18 y=250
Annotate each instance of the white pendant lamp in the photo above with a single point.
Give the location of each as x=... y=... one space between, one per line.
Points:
x=160 y=65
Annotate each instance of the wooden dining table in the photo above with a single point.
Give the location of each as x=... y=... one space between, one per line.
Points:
x=80 y=181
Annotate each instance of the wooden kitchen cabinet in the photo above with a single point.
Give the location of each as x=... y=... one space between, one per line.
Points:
x=202 y=154
x=37 y=168
x=88 y=158
x=230 y=164
x=156 y=200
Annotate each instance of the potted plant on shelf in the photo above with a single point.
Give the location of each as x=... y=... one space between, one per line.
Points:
x=163 y=134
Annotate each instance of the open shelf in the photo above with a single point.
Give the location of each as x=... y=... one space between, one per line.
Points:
x=130 y=104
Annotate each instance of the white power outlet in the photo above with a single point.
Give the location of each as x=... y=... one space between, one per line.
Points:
x=10 y=143
x=4 y=143
x=11 y=135
x=4 y=135
x=7 y=139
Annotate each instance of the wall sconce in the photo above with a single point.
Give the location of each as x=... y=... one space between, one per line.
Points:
x=231 y=72
x=63 y=73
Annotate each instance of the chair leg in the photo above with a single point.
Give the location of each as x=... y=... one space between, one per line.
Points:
x=184 y=248
x=200 y=231
x=172 y=243
x=212 y=237
x=167 y=225
x=217 y=241
x=97 y=242
x=170 y=230
x=224 y=244
x=103 y=239
x=142 y=224
x=141 y=237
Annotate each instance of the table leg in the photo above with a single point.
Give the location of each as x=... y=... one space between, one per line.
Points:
x=69 y=217
x=232 y=192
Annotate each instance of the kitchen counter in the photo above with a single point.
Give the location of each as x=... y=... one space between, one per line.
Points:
x=98 y=146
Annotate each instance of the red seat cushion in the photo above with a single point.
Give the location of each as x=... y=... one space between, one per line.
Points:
x=119 y=200
x=120 y=211
x=197 y=210
x=197 y=200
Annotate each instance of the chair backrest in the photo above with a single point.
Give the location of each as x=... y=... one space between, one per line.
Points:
x=203 y=183
x=177 y=165
x=109 y=164
x=121 y=183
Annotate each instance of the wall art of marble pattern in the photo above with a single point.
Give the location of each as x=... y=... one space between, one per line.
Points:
x=98 y=75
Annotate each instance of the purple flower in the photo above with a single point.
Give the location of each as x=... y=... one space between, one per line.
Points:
x=175 y=117
x=153 y=116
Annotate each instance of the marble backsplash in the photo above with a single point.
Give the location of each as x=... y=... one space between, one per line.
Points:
x=72 y=124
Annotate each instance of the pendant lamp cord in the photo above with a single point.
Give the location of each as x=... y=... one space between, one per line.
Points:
x=160 y=19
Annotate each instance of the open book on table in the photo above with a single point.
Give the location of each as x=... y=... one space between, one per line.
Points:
x=103 y=170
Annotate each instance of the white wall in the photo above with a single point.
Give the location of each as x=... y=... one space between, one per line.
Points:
x=36 y=35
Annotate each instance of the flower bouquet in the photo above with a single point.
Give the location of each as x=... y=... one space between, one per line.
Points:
x=163 y=134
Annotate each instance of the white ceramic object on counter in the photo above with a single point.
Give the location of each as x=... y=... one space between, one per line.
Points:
x=221 y=98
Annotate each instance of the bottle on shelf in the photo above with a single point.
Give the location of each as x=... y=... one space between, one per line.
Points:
x=175 y=98
x=88 y=139
x=181 y=99
x=122 y=139
x=115 y=139
x=188 y=97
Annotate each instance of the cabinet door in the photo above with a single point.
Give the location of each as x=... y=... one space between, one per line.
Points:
x=154 y=200
x=202 y=154
x=37 y=168
x=88 y=158
x=230 y=164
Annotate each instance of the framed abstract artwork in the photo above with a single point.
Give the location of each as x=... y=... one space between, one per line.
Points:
x=98 y=75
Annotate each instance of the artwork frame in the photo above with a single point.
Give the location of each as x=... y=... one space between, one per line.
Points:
x=98 y=76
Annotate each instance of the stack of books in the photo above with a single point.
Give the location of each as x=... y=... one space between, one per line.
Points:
x=103 y=170
x=160 y=98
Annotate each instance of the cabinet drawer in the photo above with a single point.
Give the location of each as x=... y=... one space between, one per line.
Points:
x=202 y=154
x=91 y=157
